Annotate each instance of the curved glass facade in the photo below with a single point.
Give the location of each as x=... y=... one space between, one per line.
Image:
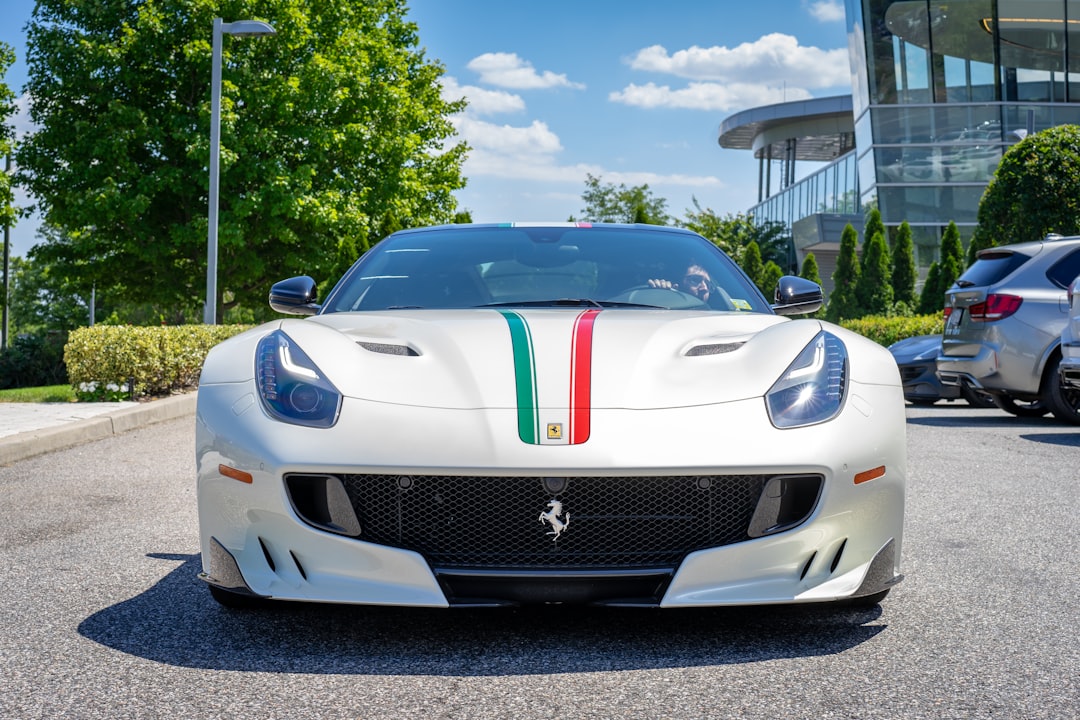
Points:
x=941 y=88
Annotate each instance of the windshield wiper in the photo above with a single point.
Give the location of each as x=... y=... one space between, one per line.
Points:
x=570 y=302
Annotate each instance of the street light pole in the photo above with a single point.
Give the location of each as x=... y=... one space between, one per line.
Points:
x=240 y=28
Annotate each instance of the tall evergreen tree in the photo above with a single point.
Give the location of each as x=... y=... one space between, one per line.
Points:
x=904 y=273
x=872 y=227
x=770 y=277
x=843 y=303
x=751 y=262
x=874 y=286
x=809 y=269
x=931 y=299
x=952 y=263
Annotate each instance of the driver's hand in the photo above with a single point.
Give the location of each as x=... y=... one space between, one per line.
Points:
x=662 y=283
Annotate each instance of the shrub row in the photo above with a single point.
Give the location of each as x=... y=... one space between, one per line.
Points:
x=887 y=330
x=33 y=361
x=103 y=359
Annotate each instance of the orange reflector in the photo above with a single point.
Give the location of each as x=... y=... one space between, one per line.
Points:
x=238 y=474
x=867 y=475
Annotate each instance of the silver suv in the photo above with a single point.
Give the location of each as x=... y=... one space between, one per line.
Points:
x=1003 y=323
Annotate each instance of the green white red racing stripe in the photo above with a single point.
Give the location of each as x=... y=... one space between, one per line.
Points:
x=544 y=420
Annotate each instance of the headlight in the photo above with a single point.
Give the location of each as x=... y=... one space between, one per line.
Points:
x=291 y=387
x=812 y=389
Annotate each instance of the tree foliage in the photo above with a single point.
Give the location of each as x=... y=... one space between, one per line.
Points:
x=932 y=300
x=1035 y=190
x=951 y=264
x=732 y=233
x=751 y=263
x=872 y=227
x=7 y=139
x=332 y=131
x=770 y=278
x=809 y=270
x=904 y=270
x=606 y=202
x=843 y=301
x=874 y=286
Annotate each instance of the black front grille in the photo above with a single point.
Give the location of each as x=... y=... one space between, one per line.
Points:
x=494 y=522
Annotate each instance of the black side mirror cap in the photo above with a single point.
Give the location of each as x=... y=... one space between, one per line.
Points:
x=295 y=296
x=797 y=296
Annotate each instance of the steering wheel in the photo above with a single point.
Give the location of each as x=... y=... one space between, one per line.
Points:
x=669 y=298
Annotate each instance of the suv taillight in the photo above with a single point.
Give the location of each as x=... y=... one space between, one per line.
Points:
x=947 y=312
x=994 y=307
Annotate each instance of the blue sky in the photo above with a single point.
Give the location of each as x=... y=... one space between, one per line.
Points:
x=632 y=91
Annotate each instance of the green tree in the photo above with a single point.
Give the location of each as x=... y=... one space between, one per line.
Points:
x=7 y=139
x=931 y=300
x=843 y=302
x=904 y=271
x=874 y=286
x=1035 y=190
x=809 y=269
x=332 y=130
x=732 y=233
x=872 y=227
x=811 y=272
x=770 y=277
x=951 y=264
x=751 y=263
x=606 y=202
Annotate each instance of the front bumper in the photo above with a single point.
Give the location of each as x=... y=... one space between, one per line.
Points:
x=253 y=539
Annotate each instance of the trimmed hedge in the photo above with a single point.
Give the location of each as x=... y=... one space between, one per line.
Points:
x=887 y=330
x=159 y=360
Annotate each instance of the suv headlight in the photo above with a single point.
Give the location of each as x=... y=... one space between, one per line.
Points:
x=813 y=387
x=291 y=386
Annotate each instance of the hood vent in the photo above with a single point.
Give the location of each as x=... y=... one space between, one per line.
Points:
x=387 y=349
x=714 y=349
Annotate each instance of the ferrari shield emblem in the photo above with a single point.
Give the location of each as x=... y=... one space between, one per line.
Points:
x=554 y=431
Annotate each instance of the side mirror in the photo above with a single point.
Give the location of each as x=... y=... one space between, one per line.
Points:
x=797 y=296
x=295 y=296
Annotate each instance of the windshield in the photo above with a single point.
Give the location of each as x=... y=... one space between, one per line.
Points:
x=612 y=266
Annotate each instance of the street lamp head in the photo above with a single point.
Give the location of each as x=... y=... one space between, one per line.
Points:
x=247 y=28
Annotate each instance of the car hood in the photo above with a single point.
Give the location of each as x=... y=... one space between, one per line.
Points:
x=549 y=358
x=500 y=359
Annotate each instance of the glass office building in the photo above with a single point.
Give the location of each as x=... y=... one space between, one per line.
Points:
x=940 y=90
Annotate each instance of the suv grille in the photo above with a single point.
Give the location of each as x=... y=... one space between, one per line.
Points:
x=494 y=522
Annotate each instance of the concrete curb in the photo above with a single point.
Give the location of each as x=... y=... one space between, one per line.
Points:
x=38 y=442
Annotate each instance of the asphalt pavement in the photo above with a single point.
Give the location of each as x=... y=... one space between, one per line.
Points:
x=29 y=429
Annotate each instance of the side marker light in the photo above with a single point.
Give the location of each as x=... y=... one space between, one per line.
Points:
x=235 y=474
x=868 y=475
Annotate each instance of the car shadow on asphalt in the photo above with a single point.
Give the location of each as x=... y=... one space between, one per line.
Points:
x=176 y=622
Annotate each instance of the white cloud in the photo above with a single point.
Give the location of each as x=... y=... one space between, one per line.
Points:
x=536 y=140
x=706 y=96
x=531 y=153
x=773 y=60
x=482 y=101
x=827 y=10
x=509 y=71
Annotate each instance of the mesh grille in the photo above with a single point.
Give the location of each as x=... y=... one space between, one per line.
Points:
x=910 y=373
x=493 y=522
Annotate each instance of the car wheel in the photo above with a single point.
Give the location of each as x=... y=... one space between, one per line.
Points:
x=1021 y=408
x=976 y=398
x=1064 y=402
x=234 y=600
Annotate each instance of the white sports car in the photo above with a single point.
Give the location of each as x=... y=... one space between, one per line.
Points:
x=484 y=415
